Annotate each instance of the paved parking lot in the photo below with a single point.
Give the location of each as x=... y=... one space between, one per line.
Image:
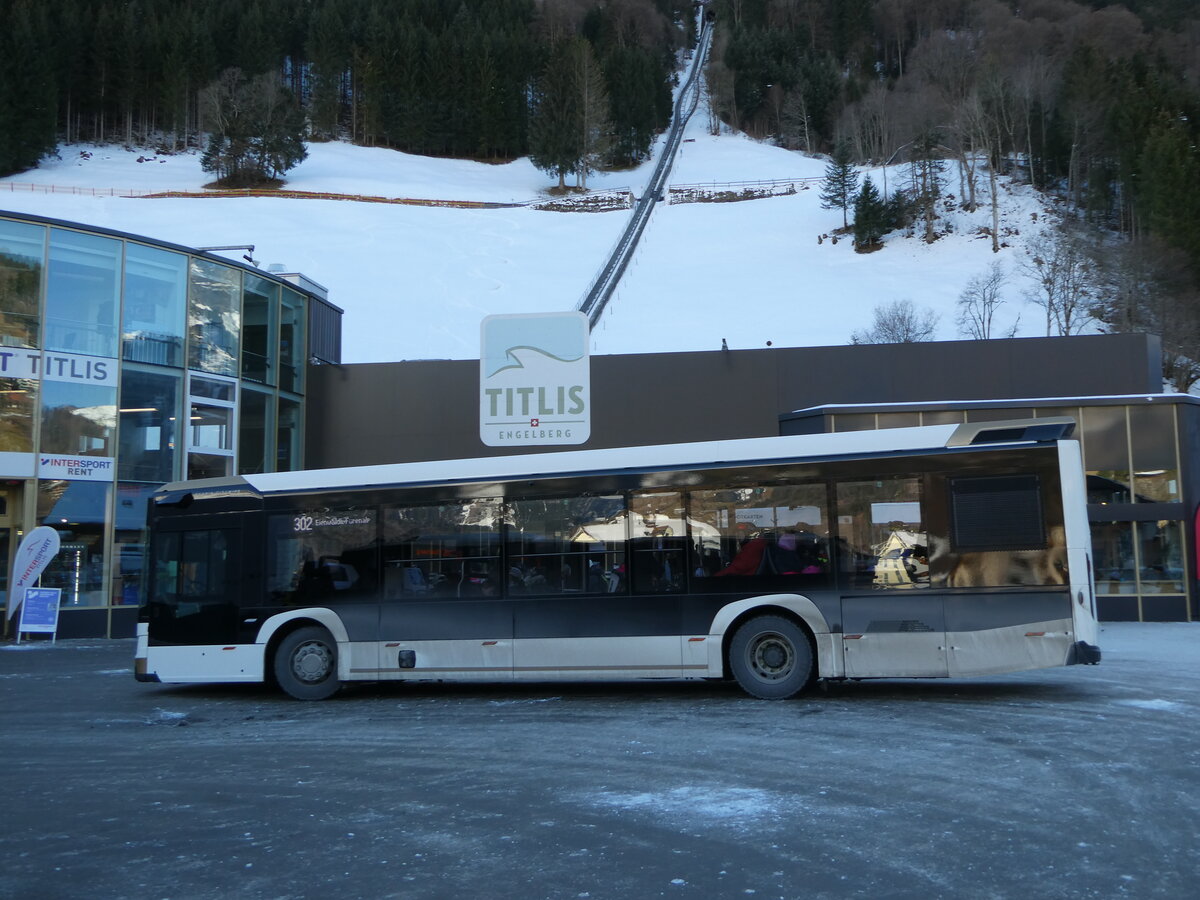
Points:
x=1080 y=782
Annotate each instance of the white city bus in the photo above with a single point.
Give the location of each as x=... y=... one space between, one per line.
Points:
x=940 y=551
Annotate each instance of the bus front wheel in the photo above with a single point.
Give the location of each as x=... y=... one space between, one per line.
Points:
x=306 y=664
x=770 y=658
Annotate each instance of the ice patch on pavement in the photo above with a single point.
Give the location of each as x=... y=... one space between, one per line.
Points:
x=740 y=807
x=523 y=702
x=1167 y=705
x=166 y=717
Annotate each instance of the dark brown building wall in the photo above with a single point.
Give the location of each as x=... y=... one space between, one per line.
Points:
x=400 y=412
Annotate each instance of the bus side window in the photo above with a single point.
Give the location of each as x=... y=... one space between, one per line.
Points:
x=769 y=538
x=566 y=545
x=883 y=541
x=658 y=542
x=442 y=550
x=321 y=556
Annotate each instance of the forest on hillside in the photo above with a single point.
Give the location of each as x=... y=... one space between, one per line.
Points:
x=1096 y=103
x=436 y=77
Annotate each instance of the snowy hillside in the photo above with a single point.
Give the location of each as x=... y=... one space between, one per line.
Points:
x=416 y=281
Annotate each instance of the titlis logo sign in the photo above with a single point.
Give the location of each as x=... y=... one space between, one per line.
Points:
x=535 y=380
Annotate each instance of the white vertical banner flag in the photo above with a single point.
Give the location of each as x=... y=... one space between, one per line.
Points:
x=36 y=550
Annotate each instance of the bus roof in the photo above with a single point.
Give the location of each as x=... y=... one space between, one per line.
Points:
x=744 y=451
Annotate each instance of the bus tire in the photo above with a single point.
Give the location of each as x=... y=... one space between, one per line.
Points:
x=305 y=664
x=771 y=658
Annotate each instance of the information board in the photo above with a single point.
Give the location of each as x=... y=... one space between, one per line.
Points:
x=39 y=611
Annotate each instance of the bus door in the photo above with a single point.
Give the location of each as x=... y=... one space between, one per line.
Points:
x=891 y=624
x=196 y=581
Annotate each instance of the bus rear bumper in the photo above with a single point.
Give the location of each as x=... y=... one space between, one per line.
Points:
x=140 y=670
x=1083 y=654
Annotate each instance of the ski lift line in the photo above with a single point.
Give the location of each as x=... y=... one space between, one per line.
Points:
x=605 y=283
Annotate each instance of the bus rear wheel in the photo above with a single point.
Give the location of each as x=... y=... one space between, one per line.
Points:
x=306 y=664
x=770 y=658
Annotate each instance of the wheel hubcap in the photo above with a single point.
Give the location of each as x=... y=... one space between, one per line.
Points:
x=312 y=662
x=771 y=656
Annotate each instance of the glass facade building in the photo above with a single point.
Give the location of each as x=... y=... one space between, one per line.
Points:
x=126 y=363
x=1136 y=451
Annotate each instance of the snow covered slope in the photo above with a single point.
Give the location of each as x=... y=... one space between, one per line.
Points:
x=415 y=281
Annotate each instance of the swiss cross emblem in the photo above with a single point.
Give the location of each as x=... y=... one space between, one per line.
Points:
x=533 y=423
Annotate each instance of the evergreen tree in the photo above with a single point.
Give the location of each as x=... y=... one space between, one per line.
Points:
x=593 y=122
x=569 y=129
x=255 y=129
x=841 y=182
x=870 y=217
x=27 y=89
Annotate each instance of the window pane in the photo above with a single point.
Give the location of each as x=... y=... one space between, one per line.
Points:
x=17 y=399
x=899 y=420
x=322 y=556
x=22 y=250
x=78 y=418
x=881 y=534
x=128 y=562
x=155 y=303
x=1106 y=454
x=1156 y=470
x=1160 y=548
x=657 y=543
x=209 y=465
x=445 y=550
x=854 y=422
x=214 y=317
x=997 y=415
x=566 y=545
x=291 y=342
x=210 y=427
x=1112 y=548
x=78 y=511
x=287 y=436
x=943 y=417
x=260 y=304
x=83 y=293
x=757 y=539
x=149 y=434
x=254 y=432
x=212 y=389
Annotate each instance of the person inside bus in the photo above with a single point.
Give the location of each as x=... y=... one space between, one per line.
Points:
x=596 y=583
x=748 y=558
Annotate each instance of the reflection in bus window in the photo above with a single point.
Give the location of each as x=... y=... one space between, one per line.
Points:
x=570 y=545
x=1001 y=532
x=443 y=550
x=883 y=541
x=658 y=541
x=763 y=538
x=321 y=556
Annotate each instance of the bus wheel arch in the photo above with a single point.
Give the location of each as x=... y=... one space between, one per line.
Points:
x=303 y=660
x=771 y=653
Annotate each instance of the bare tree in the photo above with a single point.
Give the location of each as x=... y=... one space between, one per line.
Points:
x=1148 y=287
x=979 y=301
x=1060 y=264
x=898 y=322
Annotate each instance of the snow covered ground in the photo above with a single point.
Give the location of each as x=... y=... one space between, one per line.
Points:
x=749 y=272
x=1081 y=782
